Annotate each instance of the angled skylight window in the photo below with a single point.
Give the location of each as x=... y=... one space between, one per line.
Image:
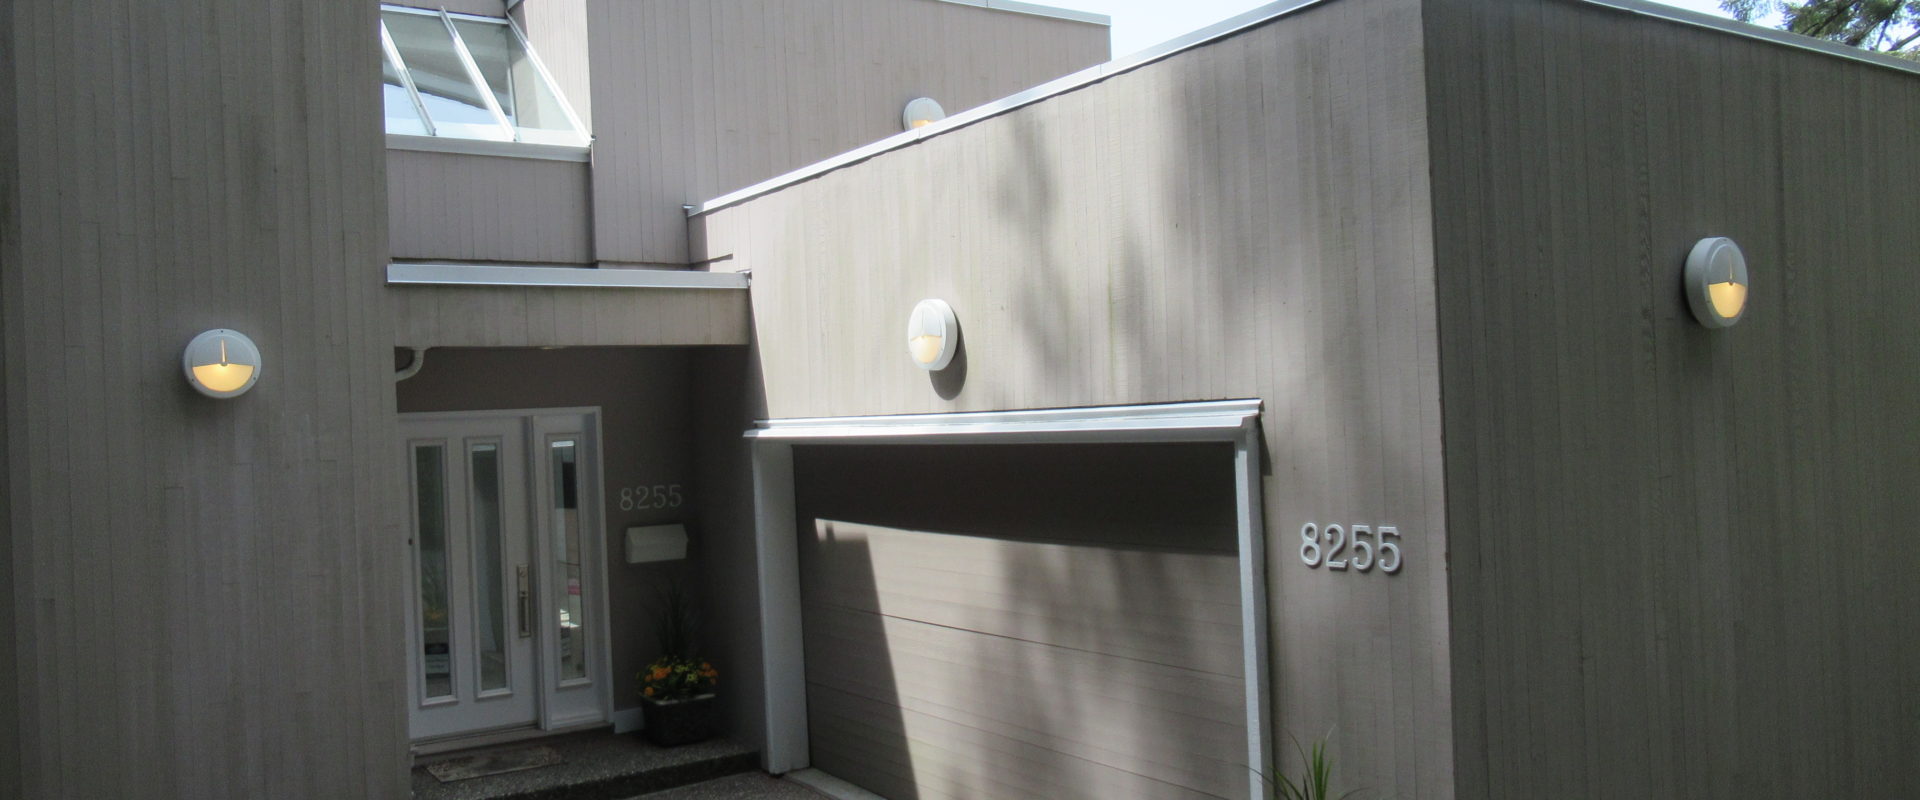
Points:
x=469 y=77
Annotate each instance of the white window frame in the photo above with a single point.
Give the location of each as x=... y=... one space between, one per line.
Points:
x=550 y=144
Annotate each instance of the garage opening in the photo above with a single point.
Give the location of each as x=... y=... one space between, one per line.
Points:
x=1022 y=620
x=1063 y=603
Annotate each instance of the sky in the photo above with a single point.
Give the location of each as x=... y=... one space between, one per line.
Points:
x=1139 y=24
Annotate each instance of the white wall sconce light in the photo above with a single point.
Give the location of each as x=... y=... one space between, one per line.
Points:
x=932 y=335
x=921 y=112
x=1717 y=282
x=222 y=363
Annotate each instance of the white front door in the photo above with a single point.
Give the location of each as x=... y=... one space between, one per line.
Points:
x=507 y=610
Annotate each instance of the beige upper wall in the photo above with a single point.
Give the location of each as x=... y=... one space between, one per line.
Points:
x=696 y=98
x=487 y=8
x=1246 y=219
x=690 y=99
x=474 y=208
x=207 y=588
x=1684 y=561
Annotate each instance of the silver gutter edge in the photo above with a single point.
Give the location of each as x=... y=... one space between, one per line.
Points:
x=1037 y=10
x=412 y=274
x=1223 y=29
x=1200 y=413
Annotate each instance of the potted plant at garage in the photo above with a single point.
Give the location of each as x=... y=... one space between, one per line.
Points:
x=676 y=690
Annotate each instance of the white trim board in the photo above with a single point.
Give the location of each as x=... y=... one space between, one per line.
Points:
x=414 y=274
x=490 y=147
x=1220 y=420
x=776 y=535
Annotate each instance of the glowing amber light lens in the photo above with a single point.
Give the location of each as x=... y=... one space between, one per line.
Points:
x=926 y=348
x=1728 y=298
x=223 y=377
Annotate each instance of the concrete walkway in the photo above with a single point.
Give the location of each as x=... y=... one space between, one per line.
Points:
x=749 y=785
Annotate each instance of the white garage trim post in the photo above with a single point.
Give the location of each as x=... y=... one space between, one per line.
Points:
x=777 y=538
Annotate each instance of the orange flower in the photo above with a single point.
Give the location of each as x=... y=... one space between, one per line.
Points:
x=648 y=692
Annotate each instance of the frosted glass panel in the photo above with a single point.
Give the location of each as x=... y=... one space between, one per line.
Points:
x=430 y=520
x=489 y=580
x=567 y=544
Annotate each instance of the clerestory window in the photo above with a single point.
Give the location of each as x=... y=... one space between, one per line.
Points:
x=469 y=77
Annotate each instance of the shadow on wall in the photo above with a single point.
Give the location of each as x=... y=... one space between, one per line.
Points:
x=1236 y=224
x=993 y=621
x=728 y=396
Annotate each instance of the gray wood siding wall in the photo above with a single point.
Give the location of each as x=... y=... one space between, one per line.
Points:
x=1246 y=219
x=205 y=588
x=1684 y=562
x=10 y=733
x=442 y=206
x=514 y=316
x=558 y=31
x=696 y=98
x=486 y=8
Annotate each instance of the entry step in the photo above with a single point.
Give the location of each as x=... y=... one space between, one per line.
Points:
x=592 y=766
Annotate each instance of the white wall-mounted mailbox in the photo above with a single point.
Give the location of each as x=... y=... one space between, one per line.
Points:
x=656 y=543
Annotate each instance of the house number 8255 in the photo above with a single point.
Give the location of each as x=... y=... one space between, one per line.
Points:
x=1360 y=547
x=666 y=495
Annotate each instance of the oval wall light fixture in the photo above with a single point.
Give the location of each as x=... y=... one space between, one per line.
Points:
x=222 y=363
x=1717 y=282
x=932 y=335
x=921 y=112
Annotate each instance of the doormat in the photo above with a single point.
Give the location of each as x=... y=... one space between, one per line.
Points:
x=460 y=769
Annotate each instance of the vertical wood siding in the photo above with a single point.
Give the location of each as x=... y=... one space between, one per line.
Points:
x=696 y=98
x=205 y=589
x=558 y=31
x=1684 y=562
x=11 y=698
x=443 y=206
x=1246 y=219
x=513 y=316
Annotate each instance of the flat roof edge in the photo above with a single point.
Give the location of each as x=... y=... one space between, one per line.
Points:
x=1185 y=421
x=1037 y=10
x=410 y=273
x=1224 y=29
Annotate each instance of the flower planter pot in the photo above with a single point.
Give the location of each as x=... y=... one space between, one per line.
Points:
x=677 y=722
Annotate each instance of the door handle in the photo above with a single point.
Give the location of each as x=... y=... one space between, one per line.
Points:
x=526 y=610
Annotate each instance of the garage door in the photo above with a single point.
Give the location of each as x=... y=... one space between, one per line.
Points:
x=1004 y=621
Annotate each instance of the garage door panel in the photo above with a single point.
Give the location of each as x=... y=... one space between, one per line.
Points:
x=1015 y=589
x=1023 y=621
x=952 y=758
x=1152 y=495
x=907 y=660
x=954 y=553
